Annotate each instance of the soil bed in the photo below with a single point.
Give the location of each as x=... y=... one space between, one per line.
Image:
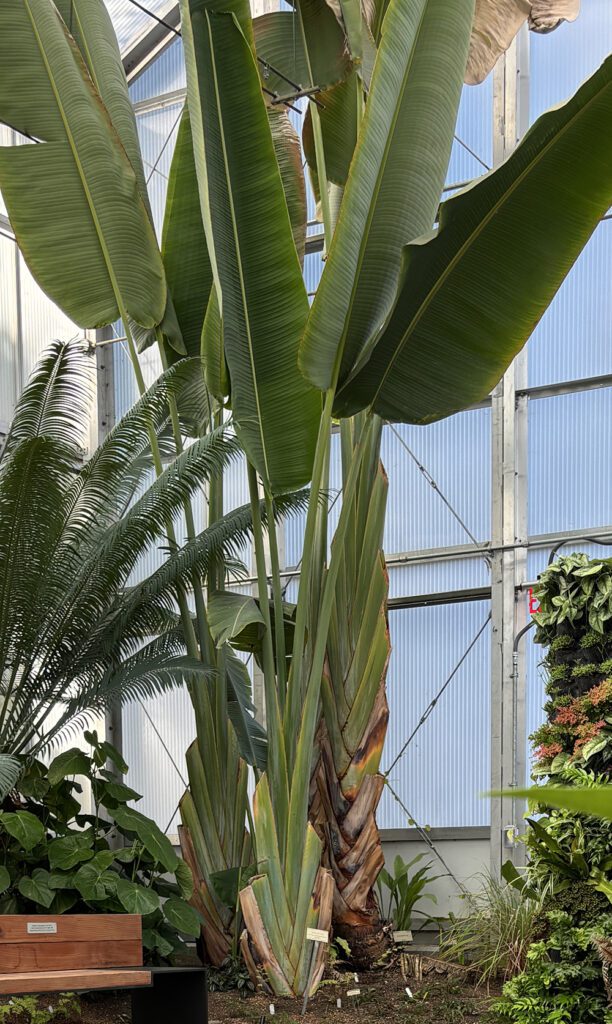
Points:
x=438 y=999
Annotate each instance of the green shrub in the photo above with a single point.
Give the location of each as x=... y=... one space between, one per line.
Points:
x=562 y=982
x=64 y=1008
x=56 y=858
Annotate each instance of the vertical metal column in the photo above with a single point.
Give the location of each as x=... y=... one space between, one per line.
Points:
x=509 y=512
x=105 y=383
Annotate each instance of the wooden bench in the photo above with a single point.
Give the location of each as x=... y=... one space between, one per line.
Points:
x=82 y=952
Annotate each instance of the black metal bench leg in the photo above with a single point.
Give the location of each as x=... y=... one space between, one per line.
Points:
x=180 y=997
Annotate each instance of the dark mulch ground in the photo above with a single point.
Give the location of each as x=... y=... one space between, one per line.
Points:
x=438 y=999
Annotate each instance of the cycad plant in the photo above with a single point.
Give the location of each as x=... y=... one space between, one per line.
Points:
x=76 y=634
x=419 y=311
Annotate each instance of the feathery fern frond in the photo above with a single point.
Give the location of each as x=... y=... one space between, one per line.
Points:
x=57 y=399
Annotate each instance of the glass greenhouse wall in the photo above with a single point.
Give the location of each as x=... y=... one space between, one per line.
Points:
x=476 y=502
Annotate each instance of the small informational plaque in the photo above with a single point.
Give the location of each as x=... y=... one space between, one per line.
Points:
x=42 y=928
x=317 y=935
x=354 y=992
x=402 y=936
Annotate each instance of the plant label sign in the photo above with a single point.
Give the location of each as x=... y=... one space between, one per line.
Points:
x=317 y=935
x=402 y=936
x=42 y=928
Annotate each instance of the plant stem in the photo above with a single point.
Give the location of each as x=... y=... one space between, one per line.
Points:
x=205 y=639
x=295 y=695
x=277 y=760
x=277 y=595
x=185 y=612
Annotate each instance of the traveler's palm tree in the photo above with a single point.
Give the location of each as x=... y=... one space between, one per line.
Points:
x=75 y=633
x=420 y=309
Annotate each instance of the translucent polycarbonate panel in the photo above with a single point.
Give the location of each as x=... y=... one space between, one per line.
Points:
x=155 y=738
x=456 y=454
x=9 y=358
x=157 y=130
x=572 y=339
x=131 y=20
x=472 y=153
x=560 y=61
x=126 y=391
x=437 y=577
x=570 y=446
x=42 y=321
x=447 y=765
x=165 y=74
x=313 y=268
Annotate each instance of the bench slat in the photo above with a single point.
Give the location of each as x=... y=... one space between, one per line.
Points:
x=78 y=927
x=72 y=981
x=40 y=956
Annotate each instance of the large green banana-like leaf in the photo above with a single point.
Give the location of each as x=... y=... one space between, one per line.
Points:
x=289 y=155
x=276 y=925
x=184 y=248
x=286 y=145
x=470 y=296
x=396 y=178
x=90 y=23
x=73 y=198
x=596 y=801
x=307 y=45
x=338 y=128
x=257 y=271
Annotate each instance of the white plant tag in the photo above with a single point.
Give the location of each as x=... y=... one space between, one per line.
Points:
x=42 y=928
x=317 y=935
x=409 y=993
x=354 y=992
x=339 y=1004
x=272 y=1010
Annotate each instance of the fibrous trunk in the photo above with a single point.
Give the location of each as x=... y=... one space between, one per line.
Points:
x=346 y=785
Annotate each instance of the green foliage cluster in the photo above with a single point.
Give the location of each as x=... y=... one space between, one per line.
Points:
x=575 y=596
x=64 y=1008
x=566 y=850
x=562 y=982
x=55 y=858
x=574 y=622
x=404 y=891
x=231 y=975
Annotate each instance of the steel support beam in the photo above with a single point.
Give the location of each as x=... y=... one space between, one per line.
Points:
x=105 y=388
x=152 y=42
x=509 y=511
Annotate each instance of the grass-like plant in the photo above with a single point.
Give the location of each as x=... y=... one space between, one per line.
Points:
x=494 y=935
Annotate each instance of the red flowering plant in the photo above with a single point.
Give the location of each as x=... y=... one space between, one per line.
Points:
x=578 y=729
